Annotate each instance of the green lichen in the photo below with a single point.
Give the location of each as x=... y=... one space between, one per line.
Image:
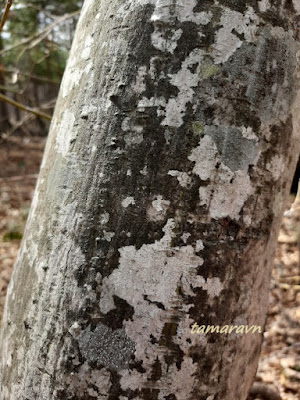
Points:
x=179 y=291
x=207 y=69
x=197 y=128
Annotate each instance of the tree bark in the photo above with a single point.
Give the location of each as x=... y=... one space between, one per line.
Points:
x=168 y=163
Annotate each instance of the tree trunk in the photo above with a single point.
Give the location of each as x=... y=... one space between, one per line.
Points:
x=168 y=163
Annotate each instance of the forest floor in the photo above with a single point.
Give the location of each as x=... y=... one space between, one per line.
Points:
x=278 y=375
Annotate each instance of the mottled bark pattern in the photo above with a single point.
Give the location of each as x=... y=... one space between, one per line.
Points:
x=168 y=162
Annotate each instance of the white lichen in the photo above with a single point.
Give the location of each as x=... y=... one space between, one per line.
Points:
x=276 y=166
x=86 y=378
x=72 y=77
x=226 y=41
x=247 y=220
x=87 y=47
x=147 y=276
x=139 y=86
x=184 y=80
x=104 y=218
x=296 y=4
x=213 y=286
x=65 y=133
x=205 y=157
x=228 y=190
x=183 y=10
x=226 y=197
x=158 y=209
x=88 y=109
x=248 y=133
x=128 y=201
x=183 y=178
x=108 y=235
x=144 y=171
x=184 y=237
x=158 y=102
x=199 y=245
x=165 y=41
x=264 y=5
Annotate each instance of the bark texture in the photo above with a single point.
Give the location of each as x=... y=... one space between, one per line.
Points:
x=169 y=158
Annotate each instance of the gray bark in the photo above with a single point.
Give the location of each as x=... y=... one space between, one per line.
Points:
x=158 y=204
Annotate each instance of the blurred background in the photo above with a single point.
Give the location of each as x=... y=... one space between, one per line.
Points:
x=34 y=45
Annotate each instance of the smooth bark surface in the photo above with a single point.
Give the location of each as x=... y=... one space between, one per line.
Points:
x=168 y=162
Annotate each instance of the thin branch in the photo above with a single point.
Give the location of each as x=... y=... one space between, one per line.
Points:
x=8 y=89
x=16 y=125
x=33 y=77
x=5 y=14
x=36 y=39
x=24 y=108
x=34 y=7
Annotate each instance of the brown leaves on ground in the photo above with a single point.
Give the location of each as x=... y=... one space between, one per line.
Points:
x=279 y=365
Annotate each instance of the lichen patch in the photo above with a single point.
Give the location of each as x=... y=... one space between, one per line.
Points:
x=128 y=201
x=151 y=279
x=158 y=209
x=276 y=166
x=183 y=178
x=185 y=80
x=85 y=379
x=65 y=133
x=108 y=348
x=164 y=40
x=165 y=11
x=227 y=42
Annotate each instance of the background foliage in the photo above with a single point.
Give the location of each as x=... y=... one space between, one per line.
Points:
x=34 y=47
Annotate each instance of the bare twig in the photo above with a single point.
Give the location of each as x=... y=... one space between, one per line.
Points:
x=36 y=39
x=34 y=7
x=5 y=14
x=24 y=108
x=8 y=89
x=16 y=125
x=31 y=76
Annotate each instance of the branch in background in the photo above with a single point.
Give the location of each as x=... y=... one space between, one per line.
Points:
x=6 y=11
x=16 y=125
x=8 y=89
x=34 y=7
x=8 y=135
x=33 y=40
x=24 y=108
x=33 y=77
